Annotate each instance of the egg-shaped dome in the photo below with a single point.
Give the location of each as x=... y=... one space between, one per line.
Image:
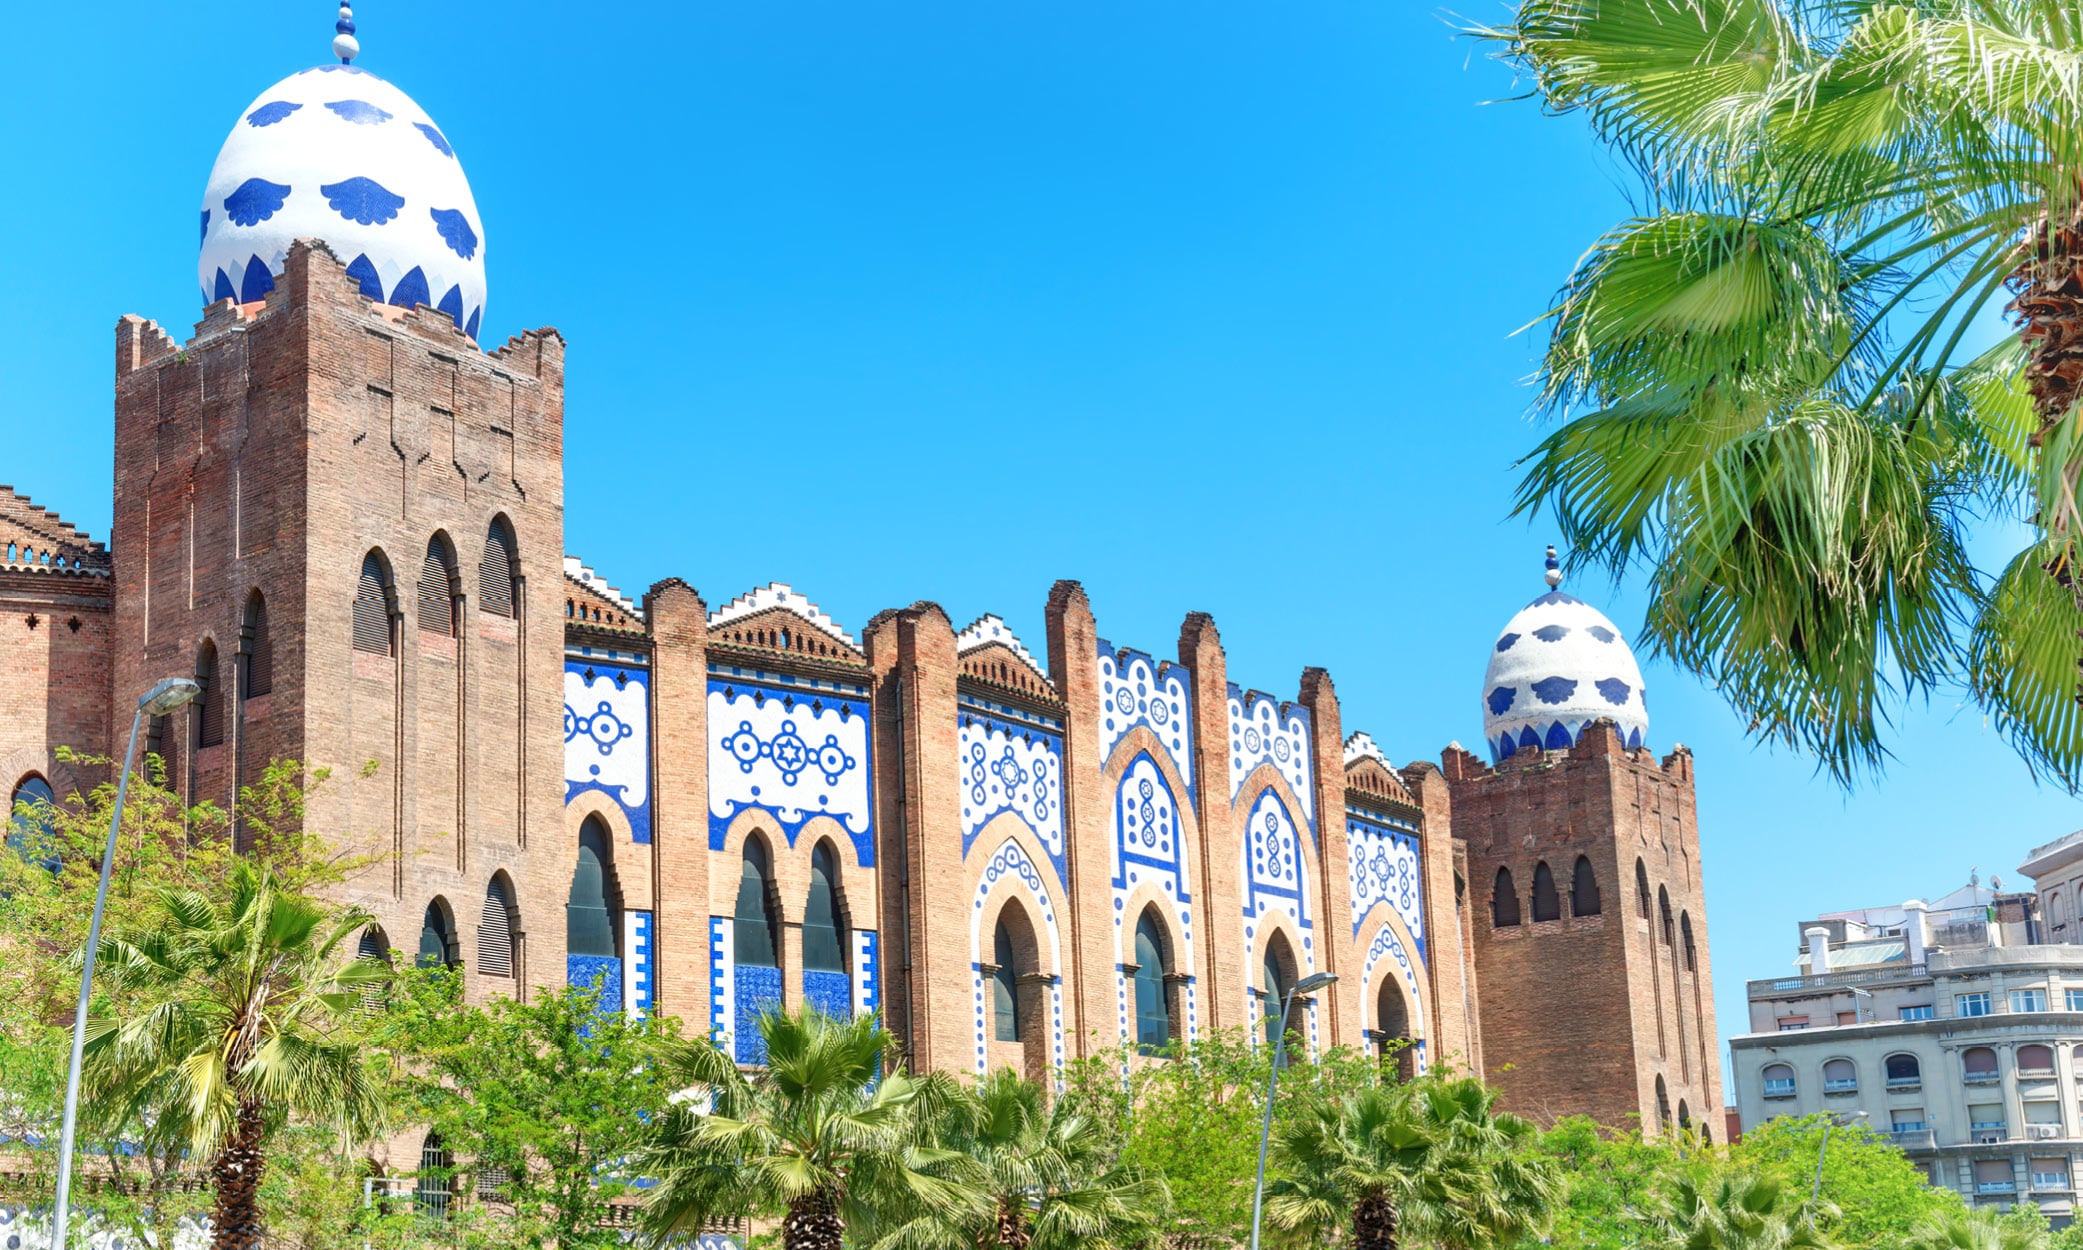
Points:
x=1558 y=666
x=339 y=154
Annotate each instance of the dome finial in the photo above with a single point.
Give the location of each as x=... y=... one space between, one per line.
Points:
x=1554 y=570
x=344 y=45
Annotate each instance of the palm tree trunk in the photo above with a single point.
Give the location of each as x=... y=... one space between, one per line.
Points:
x=1013 y=1233
x=813 y=1223
x=1374 y=1223
x=236 y=1174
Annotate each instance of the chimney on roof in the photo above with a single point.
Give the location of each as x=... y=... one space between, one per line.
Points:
x=1818 y=950
x=1913 y=930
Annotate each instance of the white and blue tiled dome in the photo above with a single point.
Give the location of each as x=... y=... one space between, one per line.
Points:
x=339 y=154
x=1558 y=666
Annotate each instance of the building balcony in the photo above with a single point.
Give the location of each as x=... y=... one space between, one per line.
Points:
x=1779 y=1089
x=2035 y=1074
x=1996 y=1187
x=1980 y=1078
x=1830 y=980
x=2050 y=1182
x=1914 y=1139
x=1847 y=1086
x=1989 y=1134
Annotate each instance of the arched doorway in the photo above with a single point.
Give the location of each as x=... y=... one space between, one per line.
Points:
x=1392 y=1034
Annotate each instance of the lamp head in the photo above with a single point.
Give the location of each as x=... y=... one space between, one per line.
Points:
x=1314 y=981
x=174 y=692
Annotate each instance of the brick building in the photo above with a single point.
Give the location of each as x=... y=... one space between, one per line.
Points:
x=345 y=518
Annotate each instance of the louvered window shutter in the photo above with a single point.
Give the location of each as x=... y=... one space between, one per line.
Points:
x=495 y=577
x=372 y=615
x=260 y=661
x=210 y=730
x=495 y=938
x=436 y=598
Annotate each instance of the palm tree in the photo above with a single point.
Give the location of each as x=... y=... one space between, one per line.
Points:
x=1051 y=1181
x=235 y=1016
x=1977 y=1228
x=821 y=1134
x=1773 y=399
x=1732 y=1211
x=1432 y=1161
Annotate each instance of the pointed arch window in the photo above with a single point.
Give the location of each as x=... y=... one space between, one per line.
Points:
x=1276 y=977
x=1641 y=889
x=436 y=1179
x=1583 y=889
x=1153 y=1006
x=260 y=648
x=755 y=930
x=824 y=943
x=437 y=589
x=496 y=573
x=1547 y=904
x=32 y=826
x=374 y=945
x=495 y=930
x=437 y=937
x=1392 y=1033
x=372 y=607
x=589 y=910
x=1005 y=985
x=209 y=705
x=1504 y=901
x=1663 y=906
x=1692 y=954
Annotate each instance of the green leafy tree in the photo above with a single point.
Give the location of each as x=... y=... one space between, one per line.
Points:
x=822 y=1135
x=1981 y=1228
x=1611 y=1181
x=544 y=1101
x=1728 y=1209
x=1432 y=1162
x=237 y=1015
x=1877 y=1196
x=1771 y=393
x=1051 y=1179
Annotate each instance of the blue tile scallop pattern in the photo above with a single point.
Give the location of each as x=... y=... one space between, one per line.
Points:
x=642 y=960
x=1148 y=845
x=723 y=1012
x=1275 y=884
x=607 y=737
x=1010 y=767
x=1559 y=665
x=867 y=973
x=1263 y=731
x=362 y=168
x=1135 y=690
x=1384 y=869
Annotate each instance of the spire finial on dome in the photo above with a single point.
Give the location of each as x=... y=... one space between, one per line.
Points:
x=1554 y=570
x=344 y=45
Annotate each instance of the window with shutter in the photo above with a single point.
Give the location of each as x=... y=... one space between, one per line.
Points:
x=495 y=575
x=372 y=609
x=260 y=648
x=210 y=703
x=495 y=938
x=437 y=590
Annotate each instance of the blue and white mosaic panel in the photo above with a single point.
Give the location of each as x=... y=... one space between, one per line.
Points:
x=607 y=737
x=1383 y=867
x=337 y=153
x=600 y=973
x=1148 y=844
x=1276 y=884
x=1008 y=767
x=794 y=753
x=867 y=971
x=1386 y=957
x=1137 y=690
x=1265 y=731
x=640 y=973
x=723 y=1005
x=1010 y=868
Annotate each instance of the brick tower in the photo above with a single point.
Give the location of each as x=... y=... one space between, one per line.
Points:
x=1589 y=923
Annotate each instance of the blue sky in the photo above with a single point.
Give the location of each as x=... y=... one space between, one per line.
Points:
x=1208 y=305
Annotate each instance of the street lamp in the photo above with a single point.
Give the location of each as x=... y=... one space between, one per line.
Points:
x=174 y=692
x=1314 y=981
x=1823 y=1151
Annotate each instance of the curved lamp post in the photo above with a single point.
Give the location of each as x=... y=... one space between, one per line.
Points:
x=168 y=695
x=1315 y=981
x=1823 y=1151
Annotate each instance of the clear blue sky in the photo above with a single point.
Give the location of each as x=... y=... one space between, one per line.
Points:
x=1209 y=305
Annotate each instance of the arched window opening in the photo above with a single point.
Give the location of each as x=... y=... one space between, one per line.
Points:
x=372 y=607
x=1840 y=1076
x=437 y=588
x=755 y=925
x=436 y=1178
x=1904 y=1072
x=590 y=908
x=1504 y=901
x=1779 y=1080
x=1692 y=954
x=1392 y=1017
x=1547 y=905
x=1583 y=889
x=2035 y=1060
x=1663 y=1106
x=1641 y=890
x=437 y=937
x=260 y=647
x=1153 y=1005
x=1005 y=985
x=824 y=942
x=497 y=571
x=1276 y=977
x=495 y=931
x=32 y=830
x=1663 y=905
x=374 y=945
x=209 y=705
x=1978 y=1063
x=1684 y=1117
